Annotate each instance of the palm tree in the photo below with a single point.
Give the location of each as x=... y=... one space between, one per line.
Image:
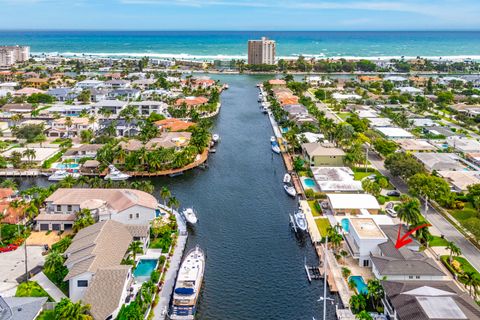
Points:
x=68 y=124
x=409 y=212
x=454 y=251
x=375 y=292
x=173 y=203
x=68 y=310
x=164 y=194
x=53 y=262
x=358 y=303
x=469 y=279
x=363 y=315
x=83 y=219
x=134 y=248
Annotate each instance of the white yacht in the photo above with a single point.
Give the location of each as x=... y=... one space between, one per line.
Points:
x=215 y=138
x=290 y=190
x=300 y=220
x=62 y=174
x=188 y=285
x=190 y=216
x=276 y=148
x=287 y=178
x=115 y=174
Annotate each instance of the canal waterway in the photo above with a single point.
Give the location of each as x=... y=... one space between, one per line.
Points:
x=255 y=263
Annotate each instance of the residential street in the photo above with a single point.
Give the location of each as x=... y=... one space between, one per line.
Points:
x=436 y=219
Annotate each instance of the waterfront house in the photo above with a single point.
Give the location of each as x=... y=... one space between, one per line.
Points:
x=406 y=263
x=36 y=82
x=63 y=94
x=175 y=140
x=440 y=161
x=191 y=102
x=173 y=125
x=90 y=84
x=427 y=300
x=124 y=205
x=21 y=308
x=68 y=110
x=83 y=151
x=112 y=106
x=146 y=108
x=127 y=93
x=323 y=155
x=460 y=180
x=41 y=154
x=117 y=84
x=362 y=238
x=352 y=204
x=27 y=92
x=61 y=129
x=122 y=128
x=415 y=145
x=17 y=108
x=335 y=179
x=463 y=144
x=394 y=133
x=95 y=273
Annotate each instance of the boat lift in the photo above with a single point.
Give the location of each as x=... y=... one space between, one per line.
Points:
x=313 y=273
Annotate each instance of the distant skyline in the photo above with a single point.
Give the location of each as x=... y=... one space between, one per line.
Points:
x=340 y=15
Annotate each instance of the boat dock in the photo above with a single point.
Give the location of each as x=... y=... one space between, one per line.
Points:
x=19 y=173
x=165 y=294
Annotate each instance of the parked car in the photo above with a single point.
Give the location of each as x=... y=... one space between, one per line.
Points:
x=391 y=212
x=8 y=248
x=393 y=193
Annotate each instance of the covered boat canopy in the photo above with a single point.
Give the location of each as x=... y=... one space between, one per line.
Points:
x=184 y=291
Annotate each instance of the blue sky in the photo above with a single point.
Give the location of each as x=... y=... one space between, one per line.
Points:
x=241 y=14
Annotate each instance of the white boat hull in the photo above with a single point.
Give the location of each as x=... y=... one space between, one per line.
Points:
x=276 y=149
x=290 y=190
x=190 y=216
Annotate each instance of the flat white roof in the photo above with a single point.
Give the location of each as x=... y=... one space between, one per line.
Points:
x=367 y=228
x=394 y=132
x=353 y=201
x=41 y=154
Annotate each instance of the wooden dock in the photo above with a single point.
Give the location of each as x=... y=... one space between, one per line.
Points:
x=19 y=173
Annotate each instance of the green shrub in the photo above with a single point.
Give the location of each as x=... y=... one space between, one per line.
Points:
x=381 y=200
x=155 y=276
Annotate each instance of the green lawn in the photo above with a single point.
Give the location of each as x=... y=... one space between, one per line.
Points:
x=466 y=213
x=47 y=315
x=31 y=289
x=322 y=225
x=437 y=241
x=314 y=210
x=344 y=115
x=465 y=265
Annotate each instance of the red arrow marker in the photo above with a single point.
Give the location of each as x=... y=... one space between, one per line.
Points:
x=402 y=241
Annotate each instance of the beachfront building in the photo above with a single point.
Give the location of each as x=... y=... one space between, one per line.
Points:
x=10 y=55
x=352 y=204
x=261 y=51
x=95 y=273
x=362 y=239
x=124 y=205
x=323 y=155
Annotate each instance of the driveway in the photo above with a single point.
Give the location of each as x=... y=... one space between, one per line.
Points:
x=12 y=266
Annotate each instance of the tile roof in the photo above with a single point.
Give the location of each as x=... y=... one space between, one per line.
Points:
x=191 y=101
x=407 y=298
x=105 y=291
x=173 y=124
x=118 y=199
x=102 y=245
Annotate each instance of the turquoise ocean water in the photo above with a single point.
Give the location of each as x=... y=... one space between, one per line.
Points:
x=225 y=44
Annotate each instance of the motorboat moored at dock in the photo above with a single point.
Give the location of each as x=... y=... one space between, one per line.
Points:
x=215 y=138
x=115 y=174
x=290 y=190
x=300 y=220
x=188 y=285
x=190 y=216
x=59 y=175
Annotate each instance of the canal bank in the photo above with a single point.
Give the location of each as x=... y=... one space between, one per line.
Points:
x=255 y=264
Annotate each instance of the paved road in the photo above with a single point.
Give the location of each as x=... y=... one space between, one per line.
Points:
x=436 y=219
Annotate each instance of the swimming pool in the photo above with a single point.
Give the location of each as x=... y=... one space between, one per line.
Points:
x=310 y=183
x=359 y=284
x=64 y=166
x=144 y=268
x=284 y=130
x=345 y=225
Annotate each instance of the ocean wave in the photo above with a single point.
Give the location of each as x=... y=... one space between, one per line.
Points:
x=187 y=56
